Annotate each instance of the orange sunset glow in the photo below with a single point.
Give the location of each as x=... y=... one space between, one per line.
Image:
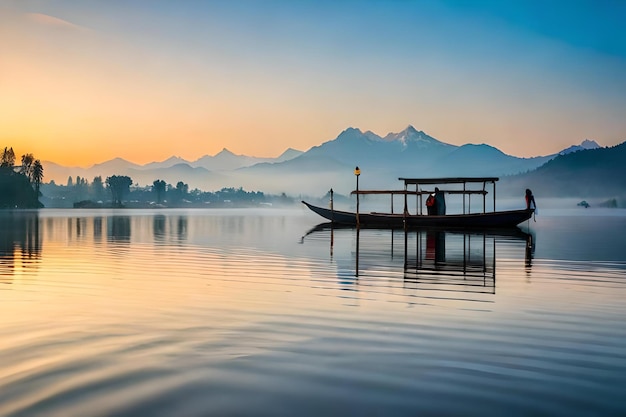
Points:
x=84 y=83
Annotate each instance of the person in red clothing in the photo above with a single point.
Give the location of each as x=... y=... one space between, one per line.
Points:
x=430 y=204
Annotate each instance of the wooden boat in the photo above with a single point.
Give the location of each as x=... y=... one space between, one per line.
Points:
x=492 y=219
x=508 y=218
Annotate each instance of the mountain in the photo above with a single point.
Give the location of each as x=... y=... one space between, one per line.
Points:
x=114 y=165
x=584 y=145
x=411 y=137
x=484 y=160
x=409 y=153
x=60 y=173
x=311 y=175
x=290 y=153
x=225 y=160
x=402 y=152
x=195 y=177
x=169 y=162
x=599 y=172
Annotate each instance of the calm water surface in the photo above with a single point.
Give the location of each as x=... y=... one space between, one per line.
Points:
x=256 y=312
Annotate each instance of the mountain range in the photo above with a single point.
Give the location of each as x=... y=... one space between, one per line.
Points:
x=592 y=172
x=409 y=153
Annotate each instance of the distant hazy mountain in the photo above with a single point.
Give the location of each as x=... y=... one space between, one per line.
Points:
x=381 y=160
x=353 y=147
x=195 y=177
x=225 y=160
x=584 y=145
x=169 y=162
x=309 y=175
x=114 y=165
x=484 y=160
x=414 y=153
x=289 y=154
x=409 y=153
x=60 y=173
x=599 y=172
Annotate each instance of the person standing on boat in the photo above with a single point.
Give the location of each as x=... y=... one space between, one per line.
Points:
x=431 y=205
x=530 y=200
x=440 y=202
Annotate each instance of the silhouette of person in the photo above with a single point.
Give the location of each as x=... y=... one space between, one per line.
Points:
x=440 y=202
x=530 y=200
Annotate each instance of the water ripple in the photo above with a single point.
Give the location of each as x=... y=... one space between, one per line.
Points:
x=224 y=321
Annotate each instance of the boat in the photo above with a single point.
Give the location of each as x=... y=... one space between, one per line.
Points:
x=466 y=219
x=497 y=219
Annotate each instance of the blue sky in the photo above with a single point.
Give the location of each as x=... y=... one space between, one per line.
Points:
x=192 y=77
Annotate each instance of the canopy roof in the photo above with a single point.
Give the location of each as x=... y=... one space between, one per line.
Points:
x=448 y=180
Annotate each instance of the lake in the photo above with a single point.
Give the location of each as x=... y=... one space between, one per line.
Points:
x=258 y=312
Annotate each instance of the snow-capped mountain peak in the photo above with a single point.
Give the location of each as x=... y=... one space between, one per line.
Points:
x=412 y=137
x=589 y=144
x=584 y=145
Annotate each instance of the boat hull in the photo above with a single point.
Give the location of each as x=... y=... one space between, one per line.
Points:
x=496 y=219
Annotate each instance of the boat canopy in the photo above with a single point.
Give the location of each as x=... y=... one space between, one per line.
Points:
x=417 y=182
x=448 y=180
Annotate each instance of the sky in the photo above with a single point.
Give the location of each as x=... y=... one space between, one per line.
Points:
x=82 y=82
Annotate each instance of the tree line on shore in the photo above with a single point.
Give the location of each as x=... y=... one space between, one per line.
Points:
x=21 y=186
x=119 y=191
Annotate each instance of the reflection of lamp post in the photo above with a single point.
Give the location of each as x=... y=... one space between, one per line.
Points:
x=357 y=172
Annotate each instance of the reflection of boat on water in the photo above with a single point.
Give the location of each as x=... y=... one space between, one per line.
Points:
x=512 y=232
x=453 y=260
x=466 y=219
x=432 y=258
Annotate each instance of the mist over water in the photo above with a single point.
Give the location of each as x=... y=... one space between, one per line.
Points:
x=257 y=312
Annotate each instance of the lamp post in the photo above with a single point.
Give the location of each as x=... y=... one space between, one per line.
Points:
x=357 y=172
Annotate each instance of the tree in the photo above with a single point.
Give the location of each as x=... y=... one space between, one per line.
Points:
x=27 y=166
x=37 y=175
x=70 y=181
x=119 y=185
x=97 y=188
x=81 y=187
x=8 y=158
x=158 y=186
x=182 y=190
